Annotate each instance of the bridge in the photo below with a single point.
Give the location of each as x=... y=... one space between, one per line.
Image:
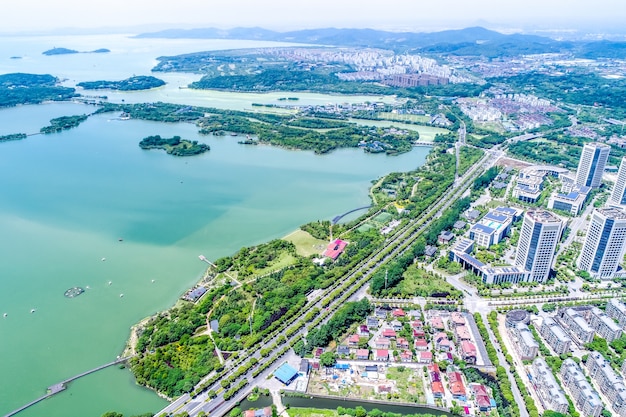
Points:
x=56 y=388
x=341 y=216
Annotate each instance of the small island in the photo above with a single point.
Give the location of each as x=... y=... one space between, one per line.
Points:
x=141 y=82
x=13 y=136
x=174 y=146
x=63 y=123
x=66 y=51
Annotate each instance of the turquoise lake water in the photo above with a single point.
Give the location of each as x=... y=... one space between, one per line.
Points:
x=67 y=198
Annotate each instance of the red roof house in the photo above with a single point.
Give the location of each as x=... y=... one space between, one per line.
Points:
x=362 y=354
x=389 y=333
x=420 y=344
x=398 y=312
x=382 y=355
x=335 y=248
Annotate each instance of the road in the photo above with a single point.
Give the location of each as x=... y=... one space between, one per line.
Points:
x=400 y=241
x=517 y=395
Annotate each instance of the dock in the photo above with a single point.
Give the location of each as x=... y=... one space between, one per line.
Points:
x=61 y=386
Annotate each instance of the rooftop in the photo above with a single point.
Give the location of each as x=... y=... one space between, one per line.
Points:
x=542 y=216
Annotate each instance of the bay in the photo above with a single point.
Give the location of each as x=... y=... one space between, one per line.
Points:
x=68 y=198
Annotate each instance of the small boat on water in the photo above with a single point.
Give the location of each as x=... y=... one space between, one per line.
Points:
x=32 y=310
x=121 y=295
x=103 y=259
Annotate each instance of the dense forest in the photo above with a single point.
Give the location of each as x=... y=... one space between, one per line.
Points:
x=141 y=82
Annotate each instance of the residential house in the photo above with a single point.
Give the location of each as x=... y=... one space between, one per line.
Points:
x=468 y=352
x=402 y=343
x=396 y=325
x=343 y=350
x=406 y=356
x=457 y=388
x=398 y=312
x=382 y=355
x=420 y=344
x=362 y=354
x=389 y=333
x=372 y=322
x=354 y=340
x=425 y=357
x=382 y=343
x=363 y=331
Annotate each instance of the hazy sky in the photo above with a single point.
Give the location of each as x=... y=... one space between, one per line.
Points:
x=29 y=15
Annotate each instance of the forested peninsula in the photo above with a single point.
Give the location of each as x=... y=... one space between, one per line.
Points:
x=141 y=82
x=20 y=88
x=290 y=131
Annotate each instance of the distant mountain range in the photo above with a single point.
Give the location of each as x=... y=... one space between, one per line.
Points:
x=474 y=41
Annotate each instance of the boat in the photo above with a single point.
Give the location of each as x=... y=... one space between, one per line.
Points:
x=103 y=259
x=5 y=314
x=74 y=292
x=121 y=295
x=32 y=310
x=110 y=282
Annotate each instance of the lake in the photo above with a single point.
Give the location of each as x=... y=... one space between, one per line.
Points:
x=68 y=199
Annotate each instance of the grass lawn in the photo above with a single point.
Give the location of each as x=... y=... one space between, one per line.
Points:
x=311 y=412
x=418 y=282
x=306 y=245
x=408 y=382
x=415 y=118
x=383 y=217
x=284 y=260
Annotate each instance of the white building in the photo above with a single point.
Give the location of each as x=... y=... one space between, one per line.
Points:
x=577 y=325
x=584 y=396
x=604 y=325
x=549 y=391
x=610 y=382
x=616 y=310
x=591 y=165
x=539 y=235
x=556 y=337
x=604 y=243
x=618 y=194
x=526 y=345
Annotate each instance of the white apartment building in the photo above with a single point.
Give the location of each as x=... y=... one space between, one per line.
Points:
x=584 y=396
x=610 y=382
x=616 y=310
x=549 y=391
x=577 y=326
x=556 y=337
x=604 y=325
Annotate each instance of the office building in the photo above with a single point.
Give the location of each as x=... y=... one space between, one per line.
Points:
x=571 y=201
x=591 y=165
x=610 y=382
x=615 y=309
x=584 y=396
x=539 y=235
x=618 y=194
x=549 y=391
x=604 y=325
x=604 y=243
x=556 y=337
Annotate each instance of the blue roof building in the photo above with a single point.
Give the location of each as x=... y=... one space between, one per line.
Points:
x=286 y=373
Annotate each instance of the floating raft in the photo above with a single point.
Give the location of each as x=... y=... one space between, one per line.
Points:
x=74 y=292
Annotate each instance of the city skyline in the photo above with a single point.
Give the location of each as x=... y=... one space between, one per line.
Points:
x=397 y=15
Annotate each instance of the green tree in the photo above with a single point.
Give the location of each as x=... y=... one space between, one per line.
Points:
x=328 y=359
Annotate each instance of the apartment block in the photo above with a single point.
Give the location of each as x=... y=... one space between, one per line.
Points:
x=610 y=382
x=585 y=398
x=549 y=391
x=615 y=309
x=526 y=345
x=577 y=325
x=555 y=336
x=604 y=325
